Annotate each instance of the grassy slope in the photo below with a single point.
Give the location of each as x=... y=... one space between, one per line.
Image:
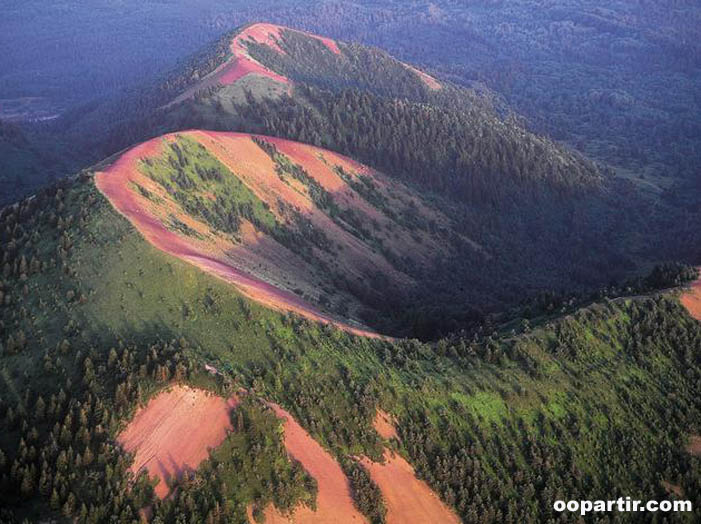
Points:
x=592 y=405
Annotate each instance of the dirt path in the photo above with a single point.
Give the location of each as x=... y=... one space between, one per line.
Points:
x=174 y=432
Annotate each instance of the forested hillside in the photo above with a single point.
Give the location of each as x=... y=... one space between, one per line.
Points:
x=451 y=267
x=94 y=319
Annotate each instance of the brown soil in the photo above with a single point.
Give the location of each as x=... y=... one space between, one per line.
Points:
x=384 y=425
x=334 y=502
x=174 y=432
x=694 y=446
x=672 y=489
x=408 y=499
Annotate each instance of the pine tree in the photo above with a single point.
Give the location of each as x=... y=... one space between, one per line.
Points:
x=39 y=408
x=27 y=484
x=69 y=506
x=55 y=500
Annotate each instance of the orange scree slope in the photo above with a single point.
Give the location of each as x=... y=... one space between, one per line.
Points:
x=156 y=433
x=334 y=501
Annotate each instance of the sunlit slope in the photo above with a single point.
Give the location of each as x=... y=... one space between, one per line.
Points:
x=292 y=226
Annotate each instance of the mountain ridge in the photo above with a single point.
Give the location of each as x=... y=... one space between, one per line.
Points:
x=299 y=208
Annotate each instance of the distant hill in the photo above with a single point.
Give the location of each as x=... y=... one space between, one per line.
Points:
x=23 y=165
x=231 y=84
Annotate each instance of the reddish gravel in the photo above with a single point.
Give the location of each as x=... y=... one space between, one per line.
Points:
x=174 y=432
x=384 y=425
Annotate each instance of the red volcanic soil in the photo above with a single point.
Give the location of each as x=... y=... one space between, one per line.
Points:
x=334 y=502
x=270 y=35
x=384 y=426
x=115 y=184
x=694 y=446
x=174 y=432
x=262 y=33
x=408 y=499
x=243 y=63
x=691 y=299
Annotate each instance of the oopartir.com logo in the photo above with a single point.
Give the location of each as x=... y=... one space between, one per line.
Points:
x=623 y=505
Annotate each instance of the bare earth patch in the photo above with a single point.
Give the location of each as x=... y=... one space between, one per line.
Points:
x=694 y=446
x=334 y=501
x=672 y=489
x=691 y=299
x=384 y=425
x=174 y=432
x=408 y=499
